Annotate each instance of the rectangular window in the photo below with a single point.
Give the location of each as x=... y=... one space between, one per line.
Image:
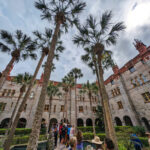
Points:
x=94 y=109
x=9 y=91
x=112 y=82
x=25 y=107
x=13 y=92
x=80 y=109
x=2 y=106
x=62 y=108
x=120 y=106
x=54 y=108
x=146 y=96
x=4 y=92
x=83 y=98
x=46 y=108
x=132 y=69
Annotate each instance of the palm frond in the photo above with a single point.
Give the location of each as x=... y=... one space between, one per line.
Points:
x=19 y=35
x=4 y=48
x=91 y=22
x=41 y=5
x=111 y=40
x=46 y=15
x=8 y=38
x=105 y=21
x=48 y=33
x=38 y=34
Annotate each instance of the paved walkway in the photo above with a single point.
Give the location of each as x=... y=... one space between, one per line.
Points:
x=61 y=147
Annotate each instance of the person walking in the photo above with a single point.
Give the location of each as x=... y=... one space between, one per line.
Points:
x=136 y=141
x=72 y=131
x=68 y=134
x=79 y=140
x=55 y=134
x=60 y=132
x=63 y=131
x=97 y=142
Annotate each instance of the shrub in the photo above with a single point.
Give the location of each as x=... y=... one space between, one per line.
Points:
x=88 y=136
x=24 y=139
x=144 y=141
x=90 y=129
x=140 y=131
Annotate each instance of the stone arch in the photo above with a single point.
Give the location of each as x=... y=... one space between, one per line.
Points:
x=22 y=123
x=4 y=123
x=127 y=121
x=118 y=121
x=80 y=122
x=146 y=123
x=53 y=121
x=89 y=122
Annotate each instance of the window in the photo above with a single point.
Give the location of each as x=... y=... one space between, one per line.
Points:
x=25 y=107
x=80 y=109
x=13 y=92
x=112 y=82
x=46 y=108
x=9 y=91
x=120 y=106
x=2 y=106
x=54 y=108
x=146 y=96
x=32 y=95
x=5 y=90
x=12 y=104
x=94 y=109
x=62 y=108
x=132 y=69
x=83 y=98
x=112 y=92
x=118 y=90
x=115 y=92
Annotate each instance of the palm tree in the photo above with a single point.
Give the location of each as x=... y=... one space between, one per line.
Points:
x=41 y=41
x=23 y=80
x=98 y=35
x=52 y=90
x=19 y=46
x=76 y=73
x=91 y=89
x=62 y=14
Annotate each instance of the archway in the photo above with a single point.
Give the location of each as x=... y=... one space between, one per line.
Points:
x=22 y=123
x=146 y=123
x=43 y=123
x=89 y=122
x=4 y=123
x=80 y=122
x=127 y=121
x=100 y=124
x=53 y=121
x=118 y=121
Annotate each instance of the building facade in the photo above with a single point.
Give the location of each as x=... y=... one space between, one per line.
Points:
x=128 y=90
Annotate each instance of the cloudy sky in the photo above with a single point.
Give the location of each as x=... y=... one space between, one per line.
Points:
x=21 y=14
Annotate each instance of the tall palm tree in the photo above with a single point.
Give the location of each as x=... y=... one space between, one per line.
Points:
x=41 y=41
x=91 y=89
x=19 y=46
x=62 y=14
x=98 y=35
x=23 y=80
x=76 y=73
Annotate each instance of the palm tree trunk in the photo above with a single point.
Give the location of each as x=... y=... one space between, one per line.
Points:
x=22 y=105
x=13 y=114
x=6 y=72
x=111 y=131
x=50 y=106
x=70 y=106
x=33 y=140
x=75 y=106
x=92 y=117
x=97 y=74
x=66 y=106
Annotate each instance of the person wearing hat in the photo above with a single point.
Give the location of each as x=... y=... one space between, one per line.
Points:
x=97 y=142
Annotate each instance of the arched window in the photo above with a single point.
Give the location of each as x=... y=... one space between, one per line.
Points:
x=80 y=122
x=127 y=121
x=22 y=123
x=43 y=123
x=89 y=122
x=146 y=123
x=118 y=121
x=4 y=123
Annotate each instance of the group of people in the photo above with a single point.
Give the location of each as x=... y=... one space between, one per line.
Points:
x=72 y=141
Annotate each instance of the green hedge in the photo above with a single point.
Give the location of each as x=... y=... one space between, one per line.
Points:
x=24 y=139
x=144 y=141
x=22 y=131
x=90 y=129
x=90 y=136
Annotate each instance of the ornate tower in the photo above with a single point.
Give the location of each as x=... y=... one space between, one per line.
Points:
x=115 y=69
x=140 y=46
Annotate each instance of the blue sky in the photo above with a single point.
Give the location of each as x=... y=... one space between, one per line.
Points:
x=21 y=14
